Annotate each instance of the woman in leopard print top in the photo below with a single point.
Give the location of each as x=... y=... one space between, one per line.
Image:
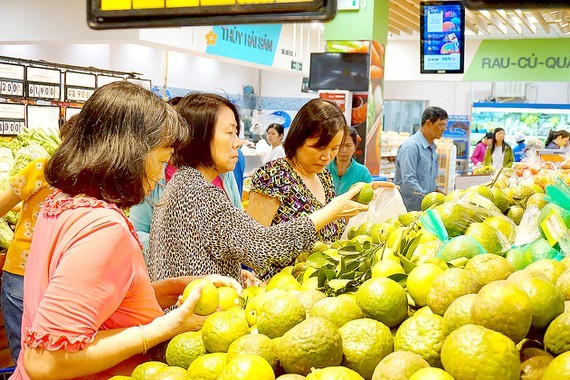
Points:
x=195 y=228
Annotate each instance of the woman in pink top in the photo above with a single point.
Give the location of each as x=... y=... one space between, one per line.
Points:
x=90 y=310
x=481 y=148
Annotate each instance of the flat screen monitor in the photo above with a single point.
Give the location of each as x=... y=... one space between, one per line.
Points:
x=339 y=71
x=442 y=37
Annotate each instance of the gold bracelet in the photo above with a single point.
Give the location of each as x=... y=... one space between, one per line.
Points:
x=145 y=342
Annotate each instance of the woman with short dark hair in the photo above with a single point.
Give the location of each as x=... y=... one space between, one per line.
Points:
x=90 y=310
x=275 y=134
x=196 y=230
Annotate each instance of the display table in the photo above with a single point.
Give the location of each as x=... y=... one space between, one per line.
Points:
x=464 y=181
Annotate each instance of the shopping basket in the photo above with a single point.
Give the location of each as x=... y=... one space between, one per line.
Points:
x=5 y=373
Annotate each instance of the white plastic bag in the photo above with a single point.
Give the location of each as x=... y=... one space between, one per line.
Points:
x=387 y=203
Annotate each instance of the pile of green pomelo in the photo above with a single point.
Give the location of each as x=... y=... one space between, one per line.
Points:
x=394 y=302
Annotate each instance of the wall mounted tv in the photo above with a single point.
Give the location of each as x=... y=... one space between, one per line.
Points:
x=442 y=37
x=339 y=71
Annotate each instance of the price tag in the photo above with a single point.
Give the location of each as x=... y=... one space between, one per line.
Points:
x=553 y=227
x=11 y=88
x=78 y=94
x=43 y=91
x=11 y=127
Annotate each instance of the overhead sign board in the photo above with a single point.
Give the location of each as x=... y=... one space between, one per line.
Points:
x=115 y=14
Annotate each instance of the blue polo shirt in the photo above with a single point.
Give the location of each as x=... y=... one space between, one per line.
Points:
x=416 y=170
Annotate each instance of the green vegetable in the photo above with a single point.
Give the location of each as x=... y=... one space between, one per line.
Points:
x=12 y=217
x=26 y=155
x=6 y=234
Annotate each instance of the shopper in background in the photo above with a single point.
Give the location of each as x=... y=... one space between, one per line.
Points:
x=275 y=134
x=520 y=149
x=557 y=139
x=195 y=228
x=500 y=153
x=90 y=309
x=344 y=169
x=29 y=187
x=481 y=148
x=416 y=161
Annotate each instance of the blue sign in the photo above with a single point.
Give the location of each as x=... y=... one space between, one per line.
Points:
x=458 y=130
x=252 y=43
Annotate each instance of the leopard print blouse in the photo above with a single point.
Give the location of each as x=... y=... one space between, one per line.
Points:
x=196 y=230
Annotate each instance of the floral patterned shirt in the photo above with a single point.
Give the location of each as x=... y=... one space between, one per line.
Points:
x=278 y=179
x=31 y=187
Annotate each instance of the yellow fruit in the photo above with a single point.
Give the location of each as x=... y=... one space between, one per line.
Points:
x=184 y=348
x=458 y=247
x=364 y=343
x=459 y=313
x=399 y=365
x=207 y=367
x=488 y=268
x=228 y=297
x=551 y=268
x=430 y=199
x=538 y=199
x=311 y=283
x=420 y=281
x=453 y=217
x=147 y=370
x=557 y=336
x=256 y=344
x=422 y=334
x=209 y=297
x=365 y=195
x=221 y=329
x=448 y=286
x=333 y=373
x=120 y=377
x=338 y=310
x=504 y=224
x=284 y=281
x=534 y=367
x=384 y=300
x=365 y=229
x=309 y=298
x=475 y=352
x=381 y=231
x=563 y=283
x=386 y=268
x=504 y=307
x=558 y=369
x=313 y=343
x=490 y=239
x=171 y=373
x=520 y=275
x=291 y=376
x=515 y=213
x=431 y=374
x=247 y=367
x=409 y=217
x=547 y=301
x=251 y=292
x=278 y=315
x=253 y=307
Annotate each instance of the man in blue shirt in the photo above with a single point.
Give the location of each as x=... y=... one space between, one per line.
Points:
x=416 y=162
x=519 y=150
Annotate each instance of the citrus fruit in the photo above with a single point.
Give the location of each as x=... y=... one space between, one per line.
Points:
x=120 y=377
x=253 y=307
x=384 y=300
x=315 y=342
x=246 y=367
x=256 y=344
x=228 y=297
x=459 y=313
x=540 y=249
x=453 y=217
x=278 y=315
x=519 y=257
x=252 y=291
x=488 y=268
x=364 y=343
x=386 y=268
x=558 y=369
x=515 y=213
x=460 y=246
x=422 y=334
x=520 y=275
x=399 y=365
x=184 y=348
x=333 y=373
x=551 y=268
x=338 y=310
x=420 y=280
x=309 y=298
x=172 y=373
x=221 y=329
x=484 y=353
x=557 y=335
x=490 y=239
x=409 y=217
x=431 y=374
x=538 y=199
x=448 y=286
x=482 y=190
x=209 y=298
x=365 y=228
x=504 y=307
x=365 y=195
x=500 y=200
x=284 y=281
x=431 y=199
x=291 y=376
x=547 y=301
x=504 y=224
x=381 y=232
x=534 y=367
x=207 y=367
x=563 y=283
x=147 y=370
x=454 y=195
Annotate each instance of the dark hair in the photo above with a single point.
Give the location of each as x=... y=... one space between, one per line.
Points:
x=67 y=126
x=553 y=135
x=200 y=110
x=488 y=135
x=317 y=118
x=103 y=155
x=278 y=128
x=434 y=114
x=174 y=101
x=497 y=130
x=353 y=134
